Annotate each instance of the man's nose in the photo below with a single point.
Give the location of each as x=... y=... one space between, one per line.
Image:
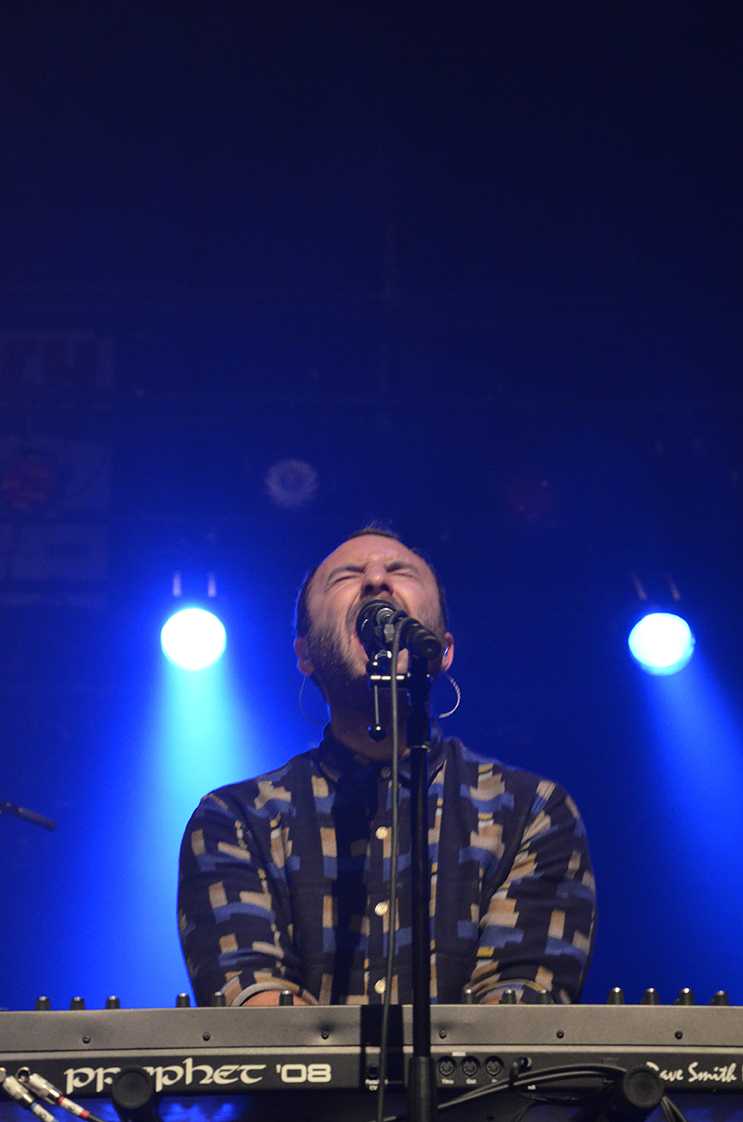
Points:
x=376 y=580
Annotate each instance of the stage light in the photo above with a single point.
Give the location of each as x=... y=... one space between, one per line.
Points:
x=193 y=638
x=661 y=642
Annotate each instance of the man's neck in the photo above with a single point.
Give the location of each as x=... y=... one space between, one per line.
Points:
x=352 y=730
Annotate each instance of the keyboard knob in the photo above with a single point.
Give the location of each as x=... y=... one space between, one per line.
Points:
x=508 y=997
x=468 y=996
x=182 y=1001
x=286 y=997
x=113 y=1002
x=651 y=996
x=43 y=1002
x=616 y=996
x=133 y=1091
x=720 y=998
x=77 y=1003
x=218 y=999
x=541 y=997
x=685 y=997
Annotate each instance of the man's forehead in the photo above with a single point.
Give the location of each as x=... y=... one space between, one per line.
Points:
x=367 y=547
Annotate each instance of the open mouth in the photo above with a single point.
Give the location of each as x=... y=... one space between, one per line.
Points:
x=373 y=600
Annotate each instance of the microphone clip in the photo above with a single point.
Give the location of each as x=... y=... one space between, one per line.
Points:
x=376 y=625
x=379 y=673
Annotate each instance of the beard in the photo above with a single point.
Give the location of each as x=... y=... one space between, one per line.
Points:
x=340 y=681
x=342 y=678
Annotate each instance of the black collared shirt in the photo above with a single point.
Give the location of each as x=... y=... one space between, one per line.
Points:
x=284 y=882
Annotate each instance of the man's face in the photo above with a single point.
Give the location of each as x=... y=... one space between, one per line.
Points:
x=366 y=568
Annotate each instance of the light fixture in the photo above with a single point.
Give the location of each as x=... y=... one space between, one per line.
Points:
x=193 y=637
x=661 y=640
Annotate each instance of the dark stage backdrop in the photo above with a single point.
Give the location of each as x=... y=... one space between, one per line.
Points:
x=262 y=283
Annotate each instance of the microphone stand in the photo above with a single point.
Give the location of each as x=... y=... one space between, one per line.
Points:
x=421 y=1080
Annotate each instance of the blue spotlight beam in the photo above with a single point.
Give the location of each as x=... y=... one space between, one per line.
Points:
x=193 y=638
x=661 y=642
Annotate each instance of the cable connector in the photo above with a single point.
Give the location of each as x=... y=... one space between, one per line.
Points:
x=46 y=1090
x=15 y=1090
x=519 y=1067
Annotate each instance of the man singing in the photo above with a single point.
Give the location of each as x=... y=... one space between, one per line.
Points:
x=284 y=879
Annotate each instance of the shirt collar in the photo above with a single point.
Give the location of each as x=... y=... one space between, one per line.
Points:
x=341 y=764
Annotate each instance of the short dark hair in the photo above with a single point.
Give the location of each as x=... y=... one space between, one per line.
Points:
x=302 y=620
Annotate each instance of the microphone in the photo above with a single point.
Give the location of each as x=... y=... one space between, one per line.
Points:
x=28 y=815
x=375 y=626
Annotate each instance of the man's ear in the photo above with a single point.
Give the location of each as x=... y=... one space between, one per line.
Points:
x=304 y=662
x=448 y=656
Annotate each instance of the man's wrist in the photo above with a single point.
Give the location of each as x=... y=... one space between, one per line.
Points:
x=268 y=993
x=272 y=997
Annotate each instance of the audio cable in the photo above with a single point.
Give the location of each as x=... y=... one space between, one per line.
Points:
x=51 y=1094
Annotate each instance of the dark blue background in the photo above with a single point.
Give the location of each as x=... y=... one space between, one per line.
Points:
x=481 y=271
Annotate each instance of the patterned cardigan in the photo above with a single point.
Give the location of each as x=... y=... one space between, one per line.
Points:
x=284 y=882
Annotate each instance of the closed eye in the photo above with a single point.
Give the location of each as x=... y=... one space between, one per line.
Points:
x=343 y=574
x=402 y=569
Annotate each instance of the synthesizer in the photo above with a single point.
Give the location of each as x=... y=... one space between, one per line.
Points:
x=215 y=1050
